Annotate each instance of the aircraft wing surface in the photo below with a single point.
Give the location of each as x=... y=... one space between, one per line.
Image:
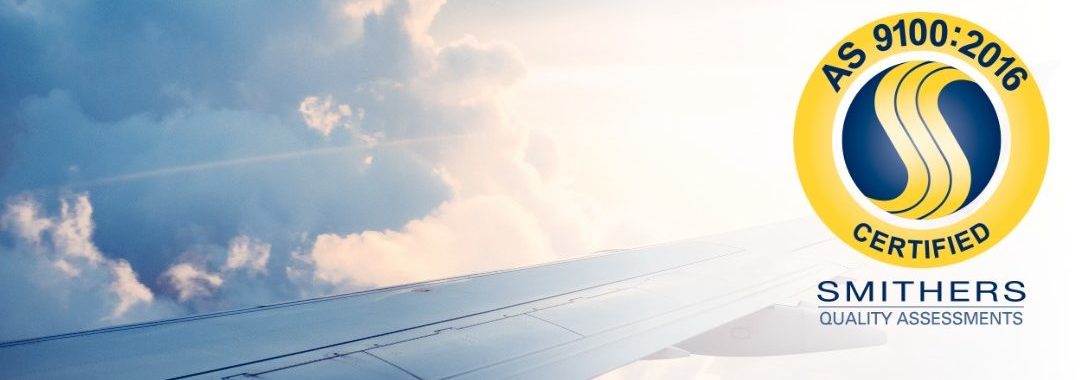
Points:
x=569 y=319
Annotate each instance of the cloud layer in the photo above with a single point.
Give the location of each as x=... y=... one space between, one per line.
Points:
x=53 y=270
x=240 y=155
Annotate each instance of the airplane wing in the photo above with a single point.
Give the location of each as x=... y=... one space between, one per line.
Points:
x=569 y=319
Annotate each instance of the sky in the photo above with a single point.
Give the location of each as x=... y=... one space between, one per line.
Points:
x=163 y=159
x=160 y=159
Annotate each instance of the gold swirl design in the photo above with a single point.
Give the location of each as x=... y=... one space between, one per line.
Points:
x=939 y=177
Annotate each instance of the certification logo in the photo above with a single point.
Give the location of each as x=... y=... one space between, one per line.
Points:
x=921 y=139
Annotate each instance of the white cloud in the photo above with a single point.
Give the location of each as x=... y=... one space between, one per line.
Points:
x=474 y=234
x=323 y=115
x=61 y=267
x=467 y=71
x=493 y=208
x=127 y=289
x=247 y=253
x=503 y=212
x=23 y=217
x=208 y=277
x=190 y=281
x=72 y=233
x=360 y=9
x=66 y=267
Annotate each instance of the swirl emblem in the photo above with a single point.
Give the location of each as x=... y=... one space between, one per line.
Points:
x=921 y=139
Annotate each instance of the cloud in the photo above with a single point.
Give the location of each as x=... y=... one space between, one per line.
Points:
x=502 y=211
x=190 y=281
x=322 y=115
x=467 y=71
x=128 y=289
x=73 y=231
x=247 y=253
x=209 y=277
x=474 y=234
x=217 y=97
x=360 y=9
x=23 y=217
x=158 y=184
x=53 y=275
x=245 y=166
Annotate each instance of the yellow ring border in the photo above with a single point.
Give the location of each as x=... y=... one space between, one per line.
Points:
x=833 y=203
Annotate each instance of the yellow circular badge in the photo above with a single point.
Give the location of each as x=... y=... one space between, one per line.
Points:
x=921 y=139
